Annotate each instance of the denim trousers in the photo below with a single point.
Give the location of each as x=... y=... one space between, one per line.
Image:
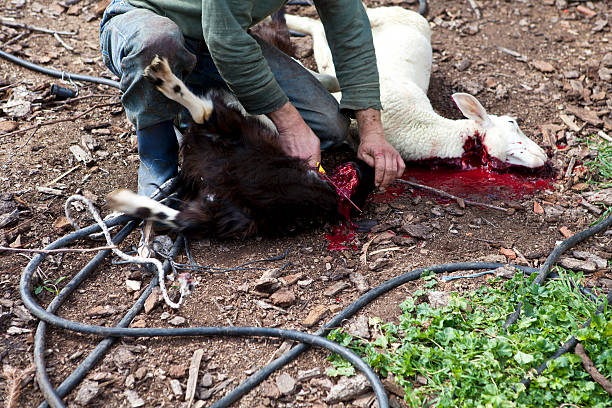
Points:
x=130 y=37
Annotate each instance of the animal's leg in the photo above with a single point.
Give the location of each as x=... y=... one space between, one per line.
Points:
x=322 y=53
x=159 y=73
x=143 y=207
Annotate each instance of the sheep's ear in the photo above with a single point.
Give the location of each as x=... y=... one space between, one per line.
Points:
x=471 y=108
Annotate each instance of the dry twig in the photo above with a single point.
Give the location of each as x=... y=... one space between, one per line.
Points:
x=14 y=24
x=448 y=195
x=54 y=122
x=590 y=368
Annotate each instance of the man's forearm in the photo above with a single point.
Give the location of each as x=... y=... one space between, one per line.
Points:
x=370 y=124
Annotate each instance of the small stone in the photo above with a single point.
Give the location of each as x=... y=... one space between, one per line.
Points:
x=176 y=388
x=390 y=385
x=378 y=264
x=305 y=375
x=304 y=283
x=438 y=299
x=418 y=230
x=177 y=321
x=61 y=224
x=164 y=316
x=153 y=299
x=577 y=264
x=206 y=381
x=122 y=357
x=323 y=382
x=269 y=390
x=134 y=399
x=537 y=208
x=403 y=241
x=267 y=285
x=291 y=279
x=599 y=261
x=336 y=288
x=7 y=126
x=101 y=311
x=140 y=373
x=348 y=388
x=315 y=315
x=605 y=282
x=566 y=232
x=87 y=392
x=283 y=297
x=508 y=253
x=360 y=282
x=129 y=381
x=358 y=327
x=506 y=272
x=463 y=65
x=543 y=66
x=177 y=371
x=285 y=384
x=133 y=285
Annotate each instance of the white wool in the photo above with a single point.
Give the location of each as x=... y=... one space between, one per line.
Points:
x=402 y=41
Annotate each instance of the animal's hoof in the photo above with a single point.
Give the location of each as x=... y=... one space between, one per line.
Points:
x=158 y=72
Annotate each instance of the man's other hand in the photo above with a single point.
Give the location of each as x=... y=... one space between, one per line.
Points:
x=295 y=136
x=375 y=150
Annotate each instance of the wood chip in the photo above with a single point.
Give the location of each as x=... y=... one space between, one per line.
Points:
x=81 y=155
x=588 y=116
x=569 y=122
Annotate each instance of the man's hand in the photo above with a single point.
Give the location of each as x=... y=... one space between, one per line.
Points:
x=375 y=150
x=295 y=137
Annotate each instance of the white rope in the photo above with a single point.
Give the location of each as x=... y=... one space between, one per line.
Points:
x=185 y=281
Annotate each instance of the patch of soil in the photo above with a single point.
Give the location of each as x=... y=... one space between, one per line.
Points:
x=39 y=172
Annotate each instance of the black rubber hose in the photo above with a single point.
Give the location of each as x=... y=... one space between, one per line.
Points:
x=87 y=364
x=554 y=256
x=263 y=373
x=39 y=339
x=423 y=8
x=58 y=74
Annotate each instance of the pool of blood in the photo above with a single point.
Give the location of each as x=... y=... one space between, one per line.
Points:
x=478 y=184
x=475 y=176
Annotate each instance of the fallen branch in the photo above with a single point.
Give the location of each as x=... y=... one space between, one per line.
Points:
x=590 y=368
x=14 y=24
x=57 y=251
x=448 y=195
x=54 y=122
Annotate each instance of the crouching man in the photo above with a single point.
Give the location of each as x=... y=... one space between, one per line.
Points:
x=208 y=46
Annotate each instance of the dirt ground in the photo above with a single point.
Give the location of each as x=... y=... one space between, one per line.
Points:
x=557 y=84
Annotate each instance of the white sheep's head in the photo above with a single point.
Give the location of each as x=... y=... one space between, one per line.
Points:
x=501 y=138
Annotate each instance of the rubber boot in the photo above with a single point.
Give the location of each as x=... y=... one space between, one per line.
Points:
x=158 y=151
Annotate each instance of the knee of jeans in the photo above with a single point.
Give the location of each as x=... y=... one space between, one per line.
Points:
x=166 y=40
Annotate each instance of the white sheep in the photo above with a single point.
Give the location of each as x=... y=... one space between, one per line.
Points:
x=402 y=40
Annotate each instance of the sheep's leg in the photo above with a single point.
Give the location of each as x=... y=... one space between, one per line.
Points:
x=130 y=203
x=314 y=28
x=160 y=74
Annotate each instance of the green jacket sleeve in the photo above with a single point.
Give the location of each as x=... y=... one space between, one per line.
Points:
x=238 y=56
x=349 y=35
